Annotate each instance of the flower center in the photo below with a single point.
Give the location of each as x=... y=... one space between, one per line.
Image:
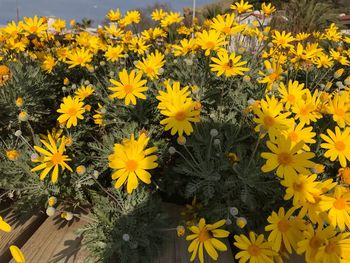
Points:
x=226 y=29
x=210 y=44
x=304 y=111
x=128 y=88
x=298 y=187
x=283 y=225
x=281 y=41
x=269 y=121
x=340 y=146
x=131 y=165
x=254 y=250
x=149 y=70
x=72 y=111
x=180 y=115
x=80 y=60
x=291 y=98
x=315 y=242
x=339 y=112
x=331 y=248
x=293 y=136
x=285 y=158
x=273 y=76
x=340 y=204
x=56 y=158
x=203 y=235
x=33 y=29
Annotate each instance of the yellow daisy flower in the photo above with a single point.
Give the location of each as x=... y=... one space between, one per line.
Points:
x=242 y=7
x=339 y=107
x=52 y=157
x=131 y=159
x=83 y=92
x=228 y=64
x=72 y=109
x=79 y=57
x=211 y=40
x=130 y=87
x=206 y=236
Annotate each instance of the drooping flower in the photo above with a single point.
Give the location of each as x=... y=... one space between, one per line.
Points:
x=72 y=109
x=130 y=87
x=205 y=236
x=131 y=160
x=52 y=157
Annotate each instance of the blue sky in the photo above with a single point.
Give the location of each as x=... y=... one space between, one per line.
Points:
x=78 y=9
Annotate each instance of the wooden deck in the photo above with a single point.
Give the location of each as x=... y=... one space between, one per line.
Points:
x=45 y=239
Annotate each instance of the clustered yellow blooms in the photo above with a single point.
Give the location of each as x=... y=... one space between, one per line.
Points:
x=301 y=122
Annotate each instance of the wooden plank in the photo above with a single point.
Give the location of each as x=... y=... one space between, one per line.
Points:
x=22 y=229
x=175 y=248
x=55 y=241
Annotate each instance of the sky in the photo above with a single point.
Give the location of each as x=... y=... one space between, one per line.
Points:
x=78 y=9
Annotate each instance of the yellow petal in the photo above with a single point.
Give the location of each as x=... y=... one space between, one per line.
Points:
x=17 y=254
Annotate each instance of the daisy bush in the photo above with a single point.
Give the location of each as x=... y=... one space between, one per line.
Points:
x=245 y=124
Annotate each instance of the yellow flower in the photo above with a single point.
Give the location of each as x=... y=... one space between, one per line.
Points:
x=323 y=61
x=34 y=25
x=242 y=7
x=158 y=14
x=19 y=102
x=291 y=94
x=171 y=18
x=301 y=188
x=267 y=9
x=269 y=117
x=273 y=73
x=66 y=81
x=130 y=87
x=282 y=39
x=254 y=249
x=298 y=133
x=151 y=65
x=99 y=116
x=59 y=25
x=79 y=57
x=17 y=254
x=52 y=201
x=206 y=235
x=185 y=46
x=132 y=17
x=131 y=159
x=335 y=249
x=72 y=109
x=228 y=64
x=339 y=107
x=344 y=174
x=313 y=240
x=337 y=145
x=4 y=226
x=286 y=159
x=83 y=92
x=12 y=155
x=113 y=15
x=338 y=207
x=53 y=157
x=211 y=40
x=138 y=45
x=48 y=63
x=307 y=109
x=179 y=110
x=23 y=116
x=114 y=53
x=227 y=24
x=81 y=169
x=285 y=230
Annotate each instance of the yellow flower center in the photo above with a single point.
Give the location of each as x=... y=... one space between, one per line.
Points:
x=304 y=111
x=269 y=121
x=298 y=187
x=226 y=29
x=149 y=70
x=340 y=146
x=285 y=158
x=315 y=242
x=291 y=98
x=345 y=175
x=339 y=112
x=273 y=76
x=254 y=250
x=293 y=136
x=331 y=248
x=56 y=158
x=33 y=29
x=340 y=204
x=180 y=115
x=210 y=44
x=283 y=225
x=128 y=88
x=80 y=60
x=131 y=165
x=281 y=41
x=72 y=111
x=203 y=235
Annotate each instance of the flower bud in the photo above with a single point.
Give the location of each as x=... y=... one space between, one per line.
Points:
x=126 y=237
x=241 y=222
x=172 y=150
x=180 y=230
x=233 y=211
x=52 y=201
x=214 y=132
x=50 y=211
x=23 y=116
